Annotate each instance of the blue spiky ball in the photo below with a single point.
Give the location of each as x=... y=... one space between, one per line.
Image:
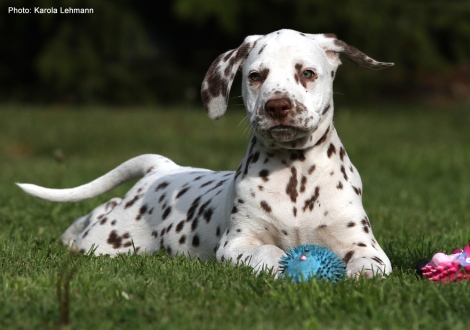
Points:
x=307 y=261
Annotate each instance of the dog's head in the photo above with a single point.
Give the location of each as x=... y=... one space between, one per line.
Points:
x=287 y=84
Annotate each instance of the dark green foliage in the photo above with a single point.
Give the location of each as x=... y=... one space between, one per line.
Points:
x=427 y=40
x=414 y=166
x=158 y=51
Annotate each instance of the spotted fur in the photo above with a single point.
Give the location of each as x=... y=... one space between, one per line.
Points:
x=295 y=184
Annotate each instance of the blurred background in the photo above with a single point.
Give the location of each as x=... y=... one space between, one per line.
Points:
x=157 y=52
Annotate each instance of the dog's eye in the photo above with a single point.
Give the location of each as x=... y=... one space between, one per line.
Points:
x=307 y=74
x=255 y=76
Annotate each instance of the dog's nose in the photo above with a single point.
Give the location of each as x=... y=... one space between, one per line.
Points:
x=278 y=108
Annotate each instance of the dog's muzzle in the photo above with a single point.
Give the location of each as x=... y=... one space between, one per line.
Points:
x=283 y=133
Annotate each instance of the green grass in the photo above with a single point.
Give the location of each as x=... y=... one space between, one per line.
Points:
x=414 y=163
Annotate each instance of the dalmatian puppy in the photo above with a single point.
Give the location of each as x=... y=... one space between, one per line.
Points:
x=295 y=184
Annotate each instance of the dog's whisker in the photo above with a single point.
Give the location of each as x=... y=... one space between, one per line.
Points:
x=246 y=130
x=241 y=121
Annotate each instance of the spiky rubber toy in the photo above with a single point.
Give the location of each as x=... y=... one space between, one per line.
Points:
x=449 y=268
x=304 y=262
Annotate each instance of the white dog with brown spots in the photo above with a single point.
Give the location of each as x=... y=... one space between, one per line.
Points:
x=295 y=185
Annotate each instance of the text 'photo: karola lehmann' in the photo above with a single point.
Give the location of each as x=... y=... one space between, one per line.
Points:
x=49 y=10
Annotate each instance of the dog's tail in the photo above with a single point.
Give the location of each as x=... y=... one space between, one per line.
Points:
x=132 y=169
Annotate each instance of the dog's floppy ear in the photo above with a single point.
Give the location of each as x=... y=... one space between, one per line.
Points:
x=218 y=80
x=334 y=47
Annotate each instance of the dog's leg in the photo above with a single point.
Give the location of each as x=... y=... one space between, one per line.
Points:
x=252 y=252
x=356 y=246
x=71 y=234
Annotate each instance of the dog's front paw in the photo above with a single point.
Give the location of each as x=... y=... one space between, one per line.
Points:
x=368 y=267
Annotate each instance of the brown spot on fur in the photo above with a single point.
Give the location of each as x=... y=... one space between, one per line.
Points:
x=166 y=212
x=263 y=75
x=162 y=185
x=114 y=239
x=351 y=224
x=310 y=203
x=377 y=259
x=303 y=183
x=265 y=206
x=131 y=202
x=264 y=175
x=344 y=173
x=348 y=257
x=294 y=210
x=342 y=153
x=194 y=224
x=323 y=138
x=180 y=226
x=192 y=209
x=262 y=48
x=195 y=241
x=297 y=155
x=208 y=215
x=331 y=150
x=182 y=192
x=298 y=76
x=228 y=55
x=326 y=109
x=206 y=184
x=339 y=186
x=291 y=188
x=182 y=239
x=358 y=191
x=365 y=221
x=142 y=211
x=311 y=169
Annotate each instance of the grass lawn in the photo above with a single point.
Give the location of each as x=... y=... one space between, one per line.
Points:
x=414 y=163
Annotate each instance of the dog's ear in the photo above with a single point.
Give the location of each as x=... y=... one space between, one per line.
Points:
x=219 y=78
x=333 y=47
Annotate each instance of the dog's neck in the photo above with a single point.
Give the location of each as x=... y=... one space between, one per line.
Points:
x=315 y=156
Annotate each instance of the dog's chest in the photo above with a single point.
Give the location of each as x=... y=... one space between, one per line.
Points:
x=281 y=191
x=289 y=196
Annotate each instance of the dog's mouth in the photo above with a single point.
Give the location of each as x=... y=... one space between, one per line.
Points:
x=283 y=133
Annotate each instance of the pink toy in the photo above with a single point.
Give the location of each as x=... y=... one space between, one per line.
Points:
x=449 y=268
